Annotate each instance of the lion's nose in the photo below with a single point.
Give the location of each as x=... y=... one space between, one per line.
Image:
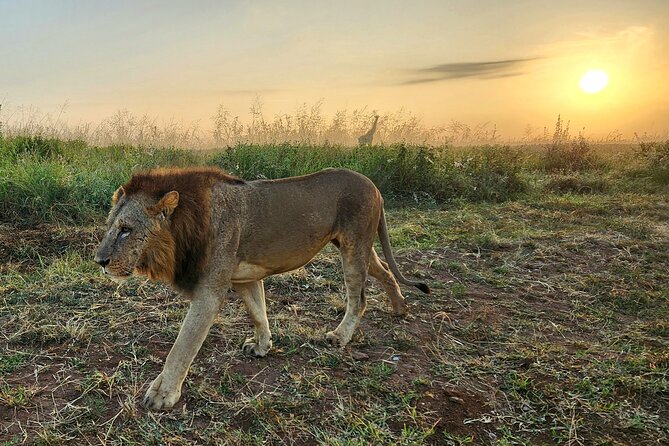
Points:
x=102 y=262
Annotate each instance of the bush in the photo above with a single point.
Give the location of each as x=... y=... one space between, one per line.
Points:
x=567 y=154
x=399 y=171
x=38 y=146
x=45 y=180
x=31 y=191
x=654 y=157
x=491 y=173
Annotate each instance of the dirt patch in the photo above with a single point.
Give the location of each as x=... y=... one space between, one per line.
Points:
x=24 y=247
x=462 y=413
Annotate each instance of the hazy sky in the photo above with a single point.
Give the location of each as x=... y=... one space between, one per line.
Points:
x=513 y=63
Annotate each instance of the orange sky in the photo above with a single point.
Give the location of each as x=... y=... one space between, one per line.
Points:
x=515 y=63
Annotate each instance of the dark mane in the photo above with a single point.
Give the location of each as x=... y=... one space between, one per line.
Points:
x=189 y=230
x=157 y=182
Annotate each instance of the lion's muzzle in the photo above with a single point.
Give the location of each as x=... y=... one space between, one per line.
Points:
x=102 y=261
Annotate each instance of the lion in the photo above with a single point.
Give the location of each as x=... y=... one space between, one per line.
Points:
x=203 y=232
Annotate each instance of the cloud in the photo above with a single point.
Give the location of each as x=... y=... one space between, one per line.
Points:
x=477 y=70
x=630 y=38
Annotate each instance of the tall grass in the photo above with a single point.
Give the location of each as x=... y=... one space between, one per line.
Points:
x=400 y=171
x=121 y=128
x=307 y=124
x=46 y=180
x=654 y=161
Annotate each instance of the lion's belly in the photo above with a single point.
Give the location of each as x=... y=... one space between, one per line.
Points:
x=248 y=272
x=266 y=265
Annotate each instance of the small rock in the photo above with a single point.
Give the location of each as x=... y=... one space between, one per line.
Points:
x=395 y=358
x=359 y=356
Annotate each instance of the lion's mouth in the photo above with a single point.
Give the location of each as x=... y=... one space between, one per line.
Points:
x=115 y=274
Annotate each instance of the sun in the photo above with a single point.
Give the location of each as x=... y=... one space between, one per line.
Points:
x=594 y=81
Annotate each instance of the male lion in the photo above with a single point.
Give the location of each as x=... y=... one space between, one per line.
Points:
x=204 y=231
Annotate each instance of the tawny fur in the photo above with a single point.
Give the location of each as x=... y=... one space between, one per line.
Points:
x=204 y=231
x=158 y=259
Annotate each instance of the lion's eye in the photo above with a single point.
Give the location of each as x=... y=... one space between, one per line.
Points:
x=125 y=231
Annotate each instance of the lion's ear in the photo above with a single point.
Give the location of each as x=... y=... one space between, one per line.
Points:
x=166 y=205
x=118 y=194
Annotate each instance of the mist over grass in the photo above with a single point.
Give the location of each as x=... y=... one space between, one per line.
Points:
x=307 y=124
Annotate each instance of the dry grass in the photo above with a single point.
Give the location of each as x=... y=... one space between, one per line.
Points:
x=307 y=124
x=547 y=325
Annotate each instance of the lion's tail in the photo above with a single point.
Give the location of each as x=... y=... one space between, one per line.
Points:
x=388 y=254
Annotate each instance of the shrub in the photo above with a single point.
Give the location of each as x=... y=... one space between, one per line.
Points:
x=573 y=155
x=490 y=173
x=567 y=154
x=32 y=190
x=654 y=157
x=67 y=181
x=50 y=180
x=38 y=146
x=399 y=171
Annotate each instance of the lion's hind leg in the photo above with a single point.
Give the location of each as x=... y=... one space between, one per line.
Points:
x=253 y=295
x=355 y=261
x=380 y=271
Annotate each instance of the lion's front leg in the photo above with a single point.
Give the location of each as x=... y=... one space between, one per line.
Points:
x=165 y=390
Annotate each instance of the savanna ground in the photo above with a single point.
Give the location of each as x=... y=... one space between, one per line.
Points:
x=547 y=323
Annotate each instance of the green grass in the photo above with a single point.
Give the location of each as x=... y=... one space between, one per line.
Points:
x=11 y=361
x=547 y=322
x=47 y=180
x=418 y=173
x=44 y=180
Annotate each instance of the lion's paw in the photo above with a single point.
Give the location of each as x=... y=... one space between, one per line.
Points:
x=400 y=310
x=160 y=396
x=251 y=347
x=335 y=339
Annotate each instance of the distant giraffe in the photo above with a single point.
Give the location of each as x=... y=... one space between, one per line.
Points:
x=366 y=139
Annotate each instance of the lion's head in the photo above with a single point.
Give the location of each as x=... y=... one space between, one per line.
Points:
x=138 y=231
x=159 y=225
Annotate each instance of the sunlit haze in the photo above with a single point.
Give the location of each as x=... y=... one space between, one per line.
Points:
x=515 y=64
